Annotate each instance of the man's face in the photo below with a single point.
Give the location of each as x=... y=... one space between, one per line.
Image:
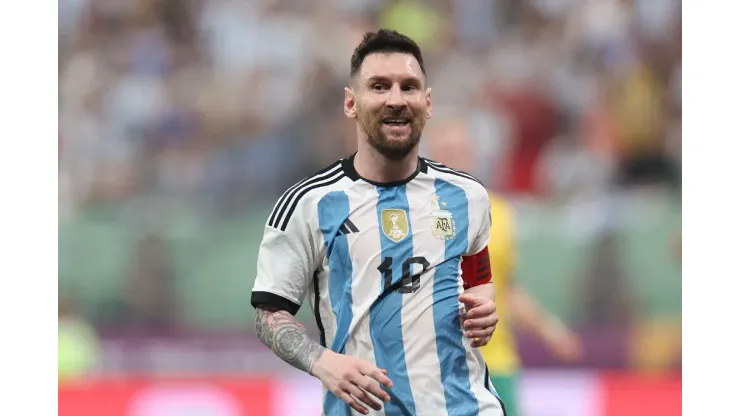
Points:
x=389 y=101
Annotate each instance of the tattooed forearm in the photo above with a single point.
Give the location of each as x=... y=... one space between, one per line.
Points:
x=285 y=336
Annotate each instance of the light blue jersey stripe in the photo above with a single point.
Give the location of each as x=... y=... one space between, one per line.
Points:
x=385 y=315
x=333 y=211
x=454 y=368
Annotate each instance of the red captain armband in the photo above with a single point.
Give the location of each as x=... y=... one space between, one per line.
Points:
x=476 y=269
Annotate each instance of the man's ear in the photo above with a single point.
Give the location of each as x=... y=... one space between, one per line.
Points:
x=430 y=106
x=350 y=109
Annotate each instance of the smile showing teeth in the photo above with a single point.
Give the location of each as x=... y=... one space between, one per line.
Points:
x=395 y=122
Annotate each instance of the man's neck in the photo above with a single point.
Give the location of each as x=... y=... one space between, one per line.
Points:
x=375 y=167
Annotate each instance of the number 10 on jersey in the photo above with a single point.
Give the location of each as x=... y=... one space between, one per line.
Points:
x=409 y=283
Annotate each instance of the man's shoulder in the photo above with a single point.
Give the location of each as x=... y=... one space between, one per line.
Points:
x=472 y=185
x=300 y=199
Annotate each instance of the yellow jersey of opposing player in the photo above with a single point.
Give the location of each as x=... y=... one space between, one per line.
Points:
x=500 y=352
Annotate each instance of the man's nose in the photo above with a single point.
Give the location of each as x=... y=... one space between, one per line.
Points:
x=395 y=98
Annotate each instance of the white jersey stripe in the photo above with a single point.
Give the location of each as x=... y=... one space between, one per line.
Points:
x=362 y=202
x=425 y=376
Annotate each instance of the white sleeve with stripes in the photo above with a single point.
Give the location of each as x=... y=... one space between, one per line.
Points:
x=287 y=259
x=292 y=246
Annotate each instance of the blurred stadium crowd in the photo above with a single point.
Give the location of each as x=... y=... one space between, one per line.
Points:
x=181 y=121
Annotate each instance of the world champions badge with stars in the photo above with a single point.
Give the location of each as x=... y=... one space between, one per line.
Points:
x=443 y=225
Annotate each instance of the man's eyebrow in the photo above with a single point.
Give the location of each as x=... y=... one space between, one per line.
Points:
x=404 y=80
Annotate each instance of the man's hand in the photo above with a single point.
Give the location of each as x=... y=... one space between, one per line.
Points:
x=352 y=380
x=559 y=340
x=563 y=342
x=349 y=378
x=481 y=316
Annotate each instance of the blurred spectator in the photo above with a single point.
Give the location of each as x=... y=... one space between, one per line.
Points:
x=640 y=111
x=534 y=124
x=182 y=121
x=147 y=302
x=607 y=296
x=419 y=20
x=78 y=343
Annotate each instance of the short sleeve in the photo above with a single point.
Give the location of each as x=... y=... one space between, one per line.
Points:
x=286 y=263
x=479 y=208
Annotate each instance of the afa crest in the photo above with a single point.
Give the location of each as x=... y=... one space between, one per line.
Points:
x=395 y=224
x=443 y=225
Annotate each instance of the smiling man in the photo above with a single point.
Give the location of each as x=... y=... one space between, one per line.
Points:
x=391 y=251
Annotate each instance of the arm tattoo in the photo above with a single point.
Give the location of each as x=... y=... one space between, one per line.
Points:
x=287 y=338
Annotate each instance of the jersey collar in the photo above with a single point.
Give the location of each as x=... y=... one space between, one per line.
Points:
x=348 y=165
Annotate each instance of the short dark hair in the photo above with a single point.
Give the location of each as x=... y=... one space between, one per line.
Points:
x=384 y=40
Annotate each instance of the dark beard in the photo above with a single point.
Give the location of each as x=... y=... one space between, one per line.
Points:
x=393 y=150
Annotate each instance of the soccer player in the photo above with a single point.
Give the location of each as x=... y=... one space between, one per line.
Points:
x=450 y=142
x=391 y=250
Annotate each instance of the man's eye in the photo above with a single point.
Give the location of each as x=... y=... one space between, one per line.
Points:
x=408 y=88
x=378 y=87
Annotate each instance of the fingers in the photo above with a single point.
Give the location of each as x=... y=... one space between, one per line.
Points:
x=352 y=402
x=479 y=342
x=362 y=396
x=480 y=333
x=485 y=309
x=378 y=375
x=480 y=337
x=480 y=323
x=369 y=385
x=360 y=389
x=359 y=384
x=468 y=299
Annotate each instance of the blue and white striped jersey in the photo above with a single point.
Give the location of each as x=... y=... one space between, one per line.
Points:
x=381 y=267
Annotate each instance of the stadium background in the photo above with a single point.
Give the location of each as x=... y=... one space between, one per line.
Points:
x=181 y=121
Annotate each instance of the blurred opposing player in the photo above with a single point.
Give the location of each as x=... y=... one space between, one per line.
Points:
x=391 y=250
x=449 y=142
